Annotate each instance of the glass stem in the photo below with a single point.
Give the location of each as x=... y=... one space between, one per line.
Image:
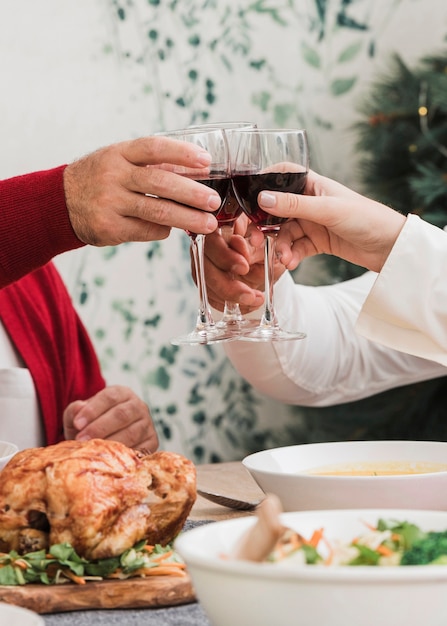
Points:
x=204 y=317
x=269 y=316
x=232 y=311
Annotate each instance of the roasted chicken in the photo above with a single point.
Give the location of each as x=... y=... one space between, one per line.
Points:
x=97 y=495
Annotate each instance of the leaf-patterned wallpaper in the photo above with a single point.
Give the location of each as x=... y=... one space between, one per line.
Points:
x=279 y=63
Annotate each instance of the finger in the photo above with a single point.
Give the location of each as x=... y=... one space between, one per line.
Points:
x=112 y=410
x=143 y=219
x=159 y=149
x=167 y=214
x=253 y=254
x=101 y=403
x=234 y=291
x=241 y=225
x=223 y=285
x=289 y=233
x=130 y=433
x=173 y=186
x=68 y=416
x=255 y=236
x=218 y=253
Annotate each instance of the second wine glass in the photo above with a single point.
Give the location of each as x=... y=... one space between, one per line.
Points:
x=232 y=318
x=217 y=177
x=275 y=160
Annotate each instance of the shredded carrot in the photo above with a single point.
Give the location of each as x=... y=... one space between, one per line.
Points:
x=316 y=537
x=21 y=563
x=330 y=556
x=76 y=579
x=162 y=557
x=384 y=550
x=148 y=548
x=162 y=570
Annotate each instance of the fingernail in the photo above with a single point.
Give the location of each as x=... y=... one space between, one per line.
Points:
x=203 y=157
x=211 y=223
x=83 y=438
x=80 y=422
x=267 y=199
x=214 y=202
x=246 y=299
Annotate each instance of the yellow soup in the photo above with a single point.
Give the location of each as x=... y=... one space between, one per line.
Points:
x=377 y=468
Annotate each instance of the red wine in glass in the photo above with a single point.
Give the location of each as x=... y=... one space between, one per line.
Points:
x=222 y=186
x=248 y=186
x=230 y=209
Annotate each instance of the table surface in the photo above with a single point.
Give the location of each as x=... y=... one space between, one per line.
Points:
x=230 y=479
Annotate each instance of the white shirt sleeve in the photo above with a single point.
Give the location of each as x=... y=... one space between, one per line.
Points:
x=407 y=306
x=333 y=364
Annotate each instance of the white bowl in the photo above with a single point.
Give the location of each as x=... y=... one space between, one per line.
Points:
x=283 y=471
x=7 y=451
x=242 y=593
x=11 y=615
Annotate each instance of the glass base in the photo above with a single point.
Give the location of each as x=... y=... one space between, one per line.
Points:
x=238 y=326
x=204 y=337
x=266 y=333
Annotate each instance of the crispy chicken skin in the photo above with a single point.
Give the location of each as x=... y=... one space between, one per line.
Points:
x=100 y=496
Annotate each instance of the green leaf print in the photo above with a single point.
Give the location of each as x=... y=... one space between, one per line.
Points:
x=311 y=56
x=341 y=86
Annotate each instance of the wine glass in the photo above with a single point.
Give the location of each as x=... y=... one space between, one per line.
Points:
x=275 y=160
x=218 y=178
x=232 y=318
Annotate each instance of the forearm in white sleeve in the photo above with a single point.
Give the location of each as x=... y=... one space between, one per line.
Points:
x=333 y=364
x=407 y=306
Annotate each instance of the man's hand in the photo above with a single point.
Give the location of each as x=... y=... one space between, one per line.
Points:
x=234 y=267
x=115 y=413
x=126 y=192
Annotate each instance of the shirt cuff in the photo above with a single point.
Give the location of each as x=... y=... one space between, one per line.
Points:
x=405 y=308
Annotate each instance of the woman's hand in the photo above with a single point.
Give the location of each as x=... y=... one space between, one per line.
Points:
x=332 y=219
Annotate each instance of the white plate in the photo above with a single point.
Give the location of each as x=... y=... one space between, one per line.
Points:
x=11 y=615
x=7 y=451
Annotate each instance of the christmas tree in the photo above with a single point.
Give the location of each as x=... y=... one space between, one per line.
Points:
x=404 y=139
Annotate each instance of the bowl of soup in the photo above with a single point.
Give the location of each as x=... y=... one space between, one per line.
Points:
x=354 y=474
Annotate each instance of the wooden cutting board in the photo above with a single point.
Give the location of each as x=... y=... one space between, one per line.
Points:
x=133 y=593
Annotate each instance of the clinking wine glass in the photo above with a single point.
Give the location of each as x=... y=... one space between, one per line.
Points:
x=269 y=160
x=232 y=318
x=218 y=178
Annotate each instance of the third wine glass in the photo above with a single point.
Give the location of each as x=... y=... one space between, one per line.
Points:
x=275 y=160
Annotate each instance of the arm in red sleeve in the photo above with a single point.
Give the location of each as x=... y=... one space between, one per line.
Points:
x=34 y=223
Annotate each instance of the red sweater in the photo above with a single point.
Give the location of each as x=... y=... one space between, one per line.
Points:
x=34 y=223
x=39 y=316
